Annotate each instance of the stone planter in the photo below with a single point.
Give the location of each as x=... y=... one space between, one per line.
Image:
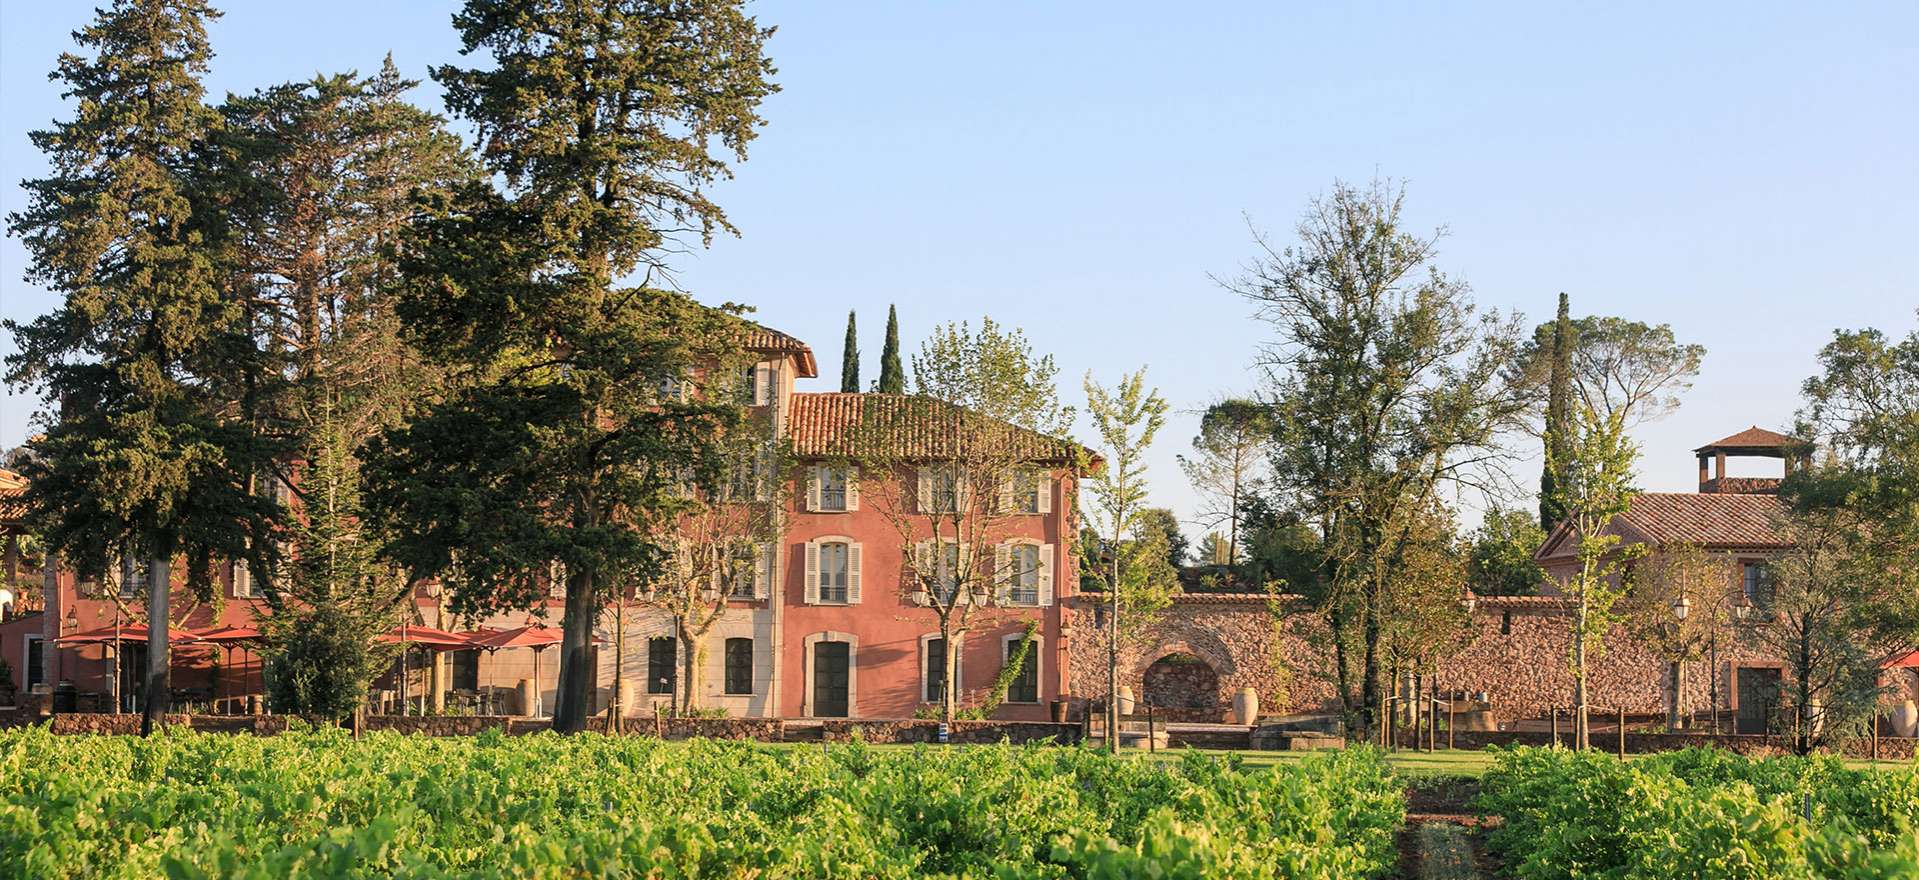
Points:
x=1126 y=702
x=1905 y=719
x=1245 y=706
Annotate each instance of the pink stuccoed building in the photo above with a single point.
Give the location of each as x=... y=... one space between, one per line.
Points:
x=826 y=630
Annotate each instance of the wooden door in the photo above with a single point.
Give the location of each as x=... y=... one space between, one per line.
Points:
x=830 y=677
x=1758 y=697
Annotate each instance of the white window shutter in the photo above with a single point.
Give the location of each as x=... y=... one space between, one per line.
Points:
x=962 y=493
x=813 y=487
x=762 y=384
x=964 y=591
x=1043 y=483
x=812 y=573
x=1003 y=573
x=1006 y=488
x=852 y=487
x=925 y=490
x=853 y=574
x=764 y=568
x=242 y=580
x=923 y=566
x=1045 y=575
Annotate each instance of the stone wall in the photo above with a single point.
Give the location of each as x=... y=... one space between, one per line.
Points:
x=1516 y=653
x=924 y=731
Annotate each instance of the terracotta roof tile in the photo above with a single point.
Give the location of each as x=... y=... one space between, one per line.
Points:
x=1707 y=519
x=772 y=341
x=1754 y=437
x=13 y=492
x=823 y=424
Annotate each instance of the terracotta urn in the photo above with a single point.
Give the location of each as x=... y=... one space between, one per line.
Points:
x=1905 y=719
x=1245 y=706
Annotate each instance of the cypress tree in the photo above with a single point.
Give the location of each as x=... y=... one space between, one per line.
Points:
x=892 y=376
x=1558 y=437
x=850 y=358
x=146 y=455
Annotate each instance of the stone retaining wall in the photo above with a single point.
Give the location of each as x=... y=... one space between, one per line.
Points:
x=1890 y=748
x=924 y=731
x=1515 y=652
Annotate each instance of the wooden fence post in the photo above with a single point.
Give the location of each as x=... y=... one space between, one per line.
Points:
x=1554 y=711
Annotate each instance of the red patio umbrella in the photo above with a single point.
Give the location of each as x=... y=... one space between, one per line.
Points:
x=407 y=636
x=1908 y=661
x=539 y=638
x=229 y=637
x=129 y=632
x=114 y=635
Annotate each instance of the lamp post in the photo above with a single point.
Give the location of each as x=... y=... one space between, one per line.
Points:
x=1681 y=609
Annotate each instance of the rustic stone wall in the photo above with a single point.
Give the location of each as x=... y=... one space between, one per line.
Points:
x=1516 y=652
x=924 y=731
x=1180 y=681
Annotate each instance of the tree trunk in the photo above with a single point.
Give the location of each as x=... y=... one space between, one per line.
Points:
x=1370 y=693
x=159 y=585
x=1580 y=730
x=618 y=705
x=949 y=690
x=574 y=690
x=1112 y=657
x=689 y=669
x=1678 y=682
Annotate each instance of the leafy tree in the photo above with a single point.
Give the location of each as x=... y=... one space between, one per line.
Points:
x=1558 y=429
x=850 y=358
x=145 y=451
x=1127 y=417
x=723 y=539
x=1229 y=457
x=1668 y=576
x=1387 y=386
x=1846 y=595
x=892 y=377
x=1500 y=559
x=986 y=421
x=582 y=405
x=1597 y=488
x=1162 y=521
x=1615 y=365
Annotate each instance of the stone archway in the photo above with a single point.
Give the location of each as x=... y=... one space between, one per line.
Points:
x=1181 y=681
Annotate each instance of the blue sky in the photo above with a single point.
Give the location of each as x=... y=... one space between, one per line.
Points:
x=1744 y=172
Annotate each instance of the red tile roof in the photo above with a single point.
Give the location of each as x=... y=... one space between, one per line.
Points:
x=824 y=424
x=771 y=341
x=1706 y=519
x=13 y=492
x=1754 y=437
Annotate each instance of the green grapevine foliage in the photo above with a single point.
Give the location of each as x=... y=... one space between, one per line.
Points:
x=319 y=803
x=1701 y=813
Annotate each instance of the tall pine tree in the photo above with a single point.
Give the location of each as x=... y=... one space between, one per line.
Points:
x=563 y=455
x=850 y=357
x=1559 y=427
x=892 y=375
x=145 y=454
